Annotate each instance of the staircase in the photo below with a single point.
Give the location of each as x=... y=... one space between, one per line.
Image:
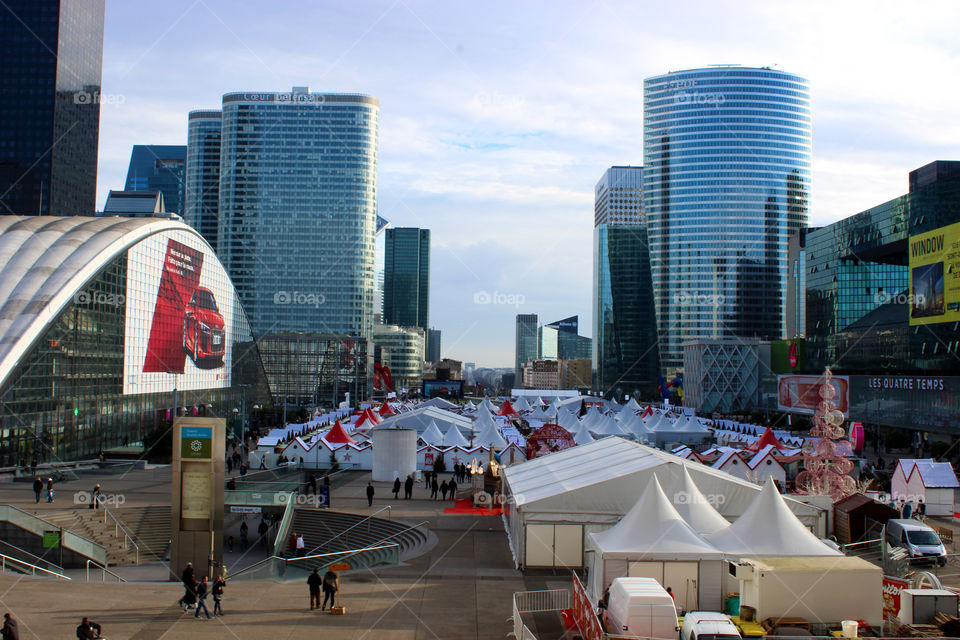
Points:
x=148 y=526
x=326 y=531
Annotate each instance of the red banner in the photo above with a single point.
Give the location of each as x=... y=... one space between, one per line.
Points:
x=584 y=613
x=801 y=394
x=178 y=282
x=891 y=595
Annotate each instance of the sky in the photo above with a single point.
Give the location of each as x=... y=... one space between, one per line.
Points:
x=498 y=118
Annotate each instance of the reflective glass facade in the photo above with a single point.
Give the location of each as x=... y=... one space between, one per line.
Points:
x=50 y=61
x=297 y=209
x=202 y=182
x=726 y=181
x=625 y=350
x=159 y=167
x=527 y=338
x=406 y=281
x=315 y=369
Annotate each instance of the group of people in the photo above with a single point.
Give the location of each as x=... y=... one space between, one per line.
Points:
x=907 y=511
x=196 y=592
x=444 y=487
x=38 y=488
x=328 y=583
x=86 y=630
x=296 y=546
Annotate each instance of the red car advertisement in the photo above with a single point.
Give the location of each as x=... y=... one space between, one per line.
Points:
x=801 y=394
x=179 y=316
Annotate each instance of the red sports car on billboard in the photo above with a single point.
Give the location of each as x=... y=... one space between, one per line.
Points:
x=203 y=330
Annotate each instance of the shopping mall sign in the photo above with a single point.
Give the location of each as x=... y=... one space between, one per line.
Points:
x=196 y=443
x=935 y=276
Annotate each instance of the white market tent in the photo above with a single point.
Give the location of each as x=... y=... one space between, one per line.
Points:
x=421 y=418
x=439 y=403
x=521 y=404
x=697 y=509
x=432 y=434
x=453 y=438
x=769 y=528
x=934 y=482
x=490 y=435
x=587 y=488
x=489 y=406
x=582 y=435
x=654 y=541
x=606 y=426
x=686 y=429
x=469 y=406
x=631 y=405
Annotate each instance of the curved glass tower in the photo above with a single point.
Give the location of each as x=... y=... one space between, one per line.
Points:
x=726 y=181
x=202 y=188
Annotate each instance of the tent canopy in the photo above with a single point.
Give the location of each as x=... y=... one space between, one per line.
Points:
x=653 y=528
x=432 y=434
x=337 y=435
x=768 y=438
x=697 y=510
x=453 y=438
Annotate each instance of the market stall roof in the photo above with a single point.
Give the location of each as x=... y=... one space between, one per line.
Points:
x=337 y=435
x=439 y=403
x=432 y=434
x=521 y=404
x=932 y=474
x=769 y=528
x=470 y=406
x=453 y=438
x=421 y=417
x=697 y=510
x=490 y=434
x=489 y=406
x=631 y=405
x=768 y=438
x=607 y=426
x=605 y=476
x=581 y=435
x=652 y=528
x=506 y=409
x=385 y=410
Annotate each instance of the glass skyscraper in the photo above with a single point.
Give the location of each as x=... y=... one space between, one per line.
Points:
x=159 y=167
x=406 y=277
x=527 y=347
x=726 y=181
x=202 y=184
x=50 y=61
x=297 y=209
x=625 y=350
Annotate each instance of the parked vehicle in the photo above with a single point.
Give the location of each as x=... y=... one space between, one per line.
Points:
x=708 y=625
x=640 y=607
x=920 y=541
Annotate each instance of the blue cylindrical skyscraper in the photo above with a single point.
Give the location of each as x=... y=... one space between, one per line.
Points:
x=726 y=181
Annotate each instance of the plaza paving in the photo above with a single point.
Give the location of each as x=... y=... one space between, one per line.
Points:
x=461 y=587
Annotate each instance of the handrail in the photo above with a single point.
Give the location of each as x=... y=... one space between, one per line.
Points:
x=345 y=553
x=285 y=523
x=103 y=571
x=118 y=526
x=351 y=527
x=33 y=568
x=69 y=540
x=4 y=543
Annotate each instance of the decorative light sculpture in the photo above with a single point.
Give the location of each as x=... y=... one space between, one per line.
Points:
x=826 y=466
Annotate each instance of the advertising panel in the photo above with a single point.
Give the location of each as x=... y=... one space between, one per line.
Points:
x=788 y=356
x=443 y=388
x=913 y=401
x=801 y=394
x=935 y=276
x=179 y=316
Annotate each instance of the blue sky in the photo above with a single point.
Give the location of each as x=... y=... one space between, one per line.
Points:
x=498 y=118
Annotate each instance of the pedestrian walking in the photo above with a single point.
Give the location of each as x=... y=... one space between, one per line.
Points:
x=408 y=487
x=188 y=580
x=313 y=483
x=95 y=497
x=434 y=487
x=329 y=588
x=396 y=488
x=921 y=509
x=37 y=488
x=452 y=488
x=218 y=586
x=230 y=544
x=244 y=531
x=326 y=482
x=291 y=544
x=313 y=582
x=369 y=494
x=301 y=546
x=443 y=489
x=9 y=630
x=262 y=530
x=202 y=598
x=426 y=480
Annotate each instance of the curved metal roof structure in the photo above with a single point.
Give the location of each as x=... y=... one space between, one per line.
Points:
x=45 y=260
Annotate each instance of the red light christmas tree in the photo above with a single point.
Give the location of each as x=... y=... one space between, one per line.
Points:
x=826 y=466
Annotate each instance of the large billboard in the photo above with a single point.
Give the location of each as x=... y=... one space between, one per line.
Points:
x=935 y=276
x=180 y=314
x=801 y=394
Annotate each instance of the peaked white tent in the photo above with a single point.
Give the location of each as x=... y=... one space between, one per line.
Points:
x=483 y=421
x=606 y=426
x=432 y=434
x=769 y=528
x=653 y=540
x=541 y=415
x=490 y=435
x=521 y=404
x=696 y=509
x=631 y=405
x=453 y=438
x=469 y=406
x=489 y=406
x=581 y=435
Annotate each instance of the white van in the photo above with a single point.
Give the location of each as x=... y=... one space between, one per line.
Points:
x=708 y=625
x=641 y=607
x=921 y=542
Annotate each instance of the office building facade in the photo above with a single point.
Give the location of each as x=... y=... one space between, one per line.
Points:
x=51 y=53
x=159 y=167
x=526 y=344
x=433 y=345
x=406 y=277
x=625 y=351
x=201 y=200
x=726 y=181
x=401 y=351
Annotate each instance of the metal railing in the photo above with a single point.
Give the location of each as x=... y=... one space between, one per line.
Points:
x=284 y=529
x=103 y=572
x=119 y=528
x=274 y=567
x=536 y=602
x=25 y=556
x=353 y=526
x=69 y=540
x=25 y=567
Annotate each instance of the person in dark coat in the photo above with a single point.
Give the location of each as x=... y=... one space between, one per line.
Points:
x=37 y=488
x=88 y=630
x=396 y=488
x=188 y=579
x=408 y=488
x=329 y=588
x=443 y=489
x=434 y=487
x=369 y=494
x=244 y=532
x=313 y=582
x=202 y=598
x=262 y=530
x=9 y=630
x=452 y=488
x=218 y=586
